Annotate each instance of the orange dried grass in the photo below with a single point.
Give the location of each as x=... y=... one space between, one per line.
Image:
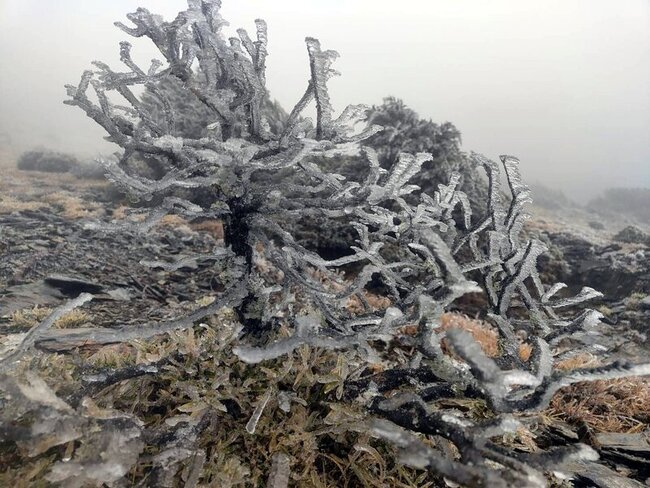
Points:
x=376 y=302
x=482 y=332
x=212 y=227
x=619 y=405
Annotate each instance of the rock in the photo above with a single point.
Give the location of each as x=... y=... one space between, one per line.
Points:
x=50 y=291
x=89 y=171
x=120 y=294
x=610 y=269
x=72 y=287
x=599 y=476
x=631 y=450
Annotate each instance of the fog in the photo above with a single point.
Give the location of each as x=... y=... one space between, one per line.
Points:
x=562 y=84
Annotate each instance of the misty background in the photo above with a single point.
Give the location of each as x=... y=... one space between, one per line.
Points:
x=562 y=84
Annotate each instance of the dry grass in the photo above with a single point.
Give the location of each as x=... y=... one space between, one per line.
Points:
x=483 y=333
x=633 y=302
x=29 y=318
x=72 y=207
x=376 y=302
x=9 y=204
x=31 y=190
x=73 y=319
x=174 y=221
x=212 y=227
x=619 y=405
x=120 y=212
x=113 y=356
x=583 y=360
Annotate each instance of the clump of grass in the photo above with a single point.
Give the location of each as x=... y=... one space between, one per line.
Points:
x=633 y=302
x=618 y=405
x=75 y=318
x=201 y=377
x=605 y=310
x=210 y=226
x=482 y=332
x=72 y=207
x=28 y=318
x=112 y=356
x=10 y=204
x=583 y=360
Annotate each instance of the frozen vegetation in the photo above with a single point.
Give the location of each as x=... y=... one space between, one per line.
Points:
x=418 y=243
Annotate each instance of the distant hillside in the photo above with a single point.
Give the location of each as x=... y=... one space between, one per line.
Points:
x=631 y=202
x=550 y=198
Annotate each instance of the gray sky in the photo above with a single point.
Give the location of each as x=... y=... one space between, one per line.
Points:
x=562 y=84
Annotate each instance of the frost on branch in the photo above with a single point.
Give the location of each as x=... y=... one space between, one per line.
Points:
x=414 y=251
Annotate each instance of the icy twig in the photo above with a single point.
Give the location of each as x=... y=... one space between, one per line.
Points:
x=36 y=333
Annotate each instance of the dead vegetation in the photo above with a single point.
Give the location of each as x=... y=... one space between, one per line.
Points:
x=203 y=380
x=63 y=193
x=621 y=405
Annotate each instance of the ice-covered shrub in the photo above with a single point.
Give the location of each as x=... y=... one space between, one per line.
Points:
x=50 y=161
x=263 y=179
x=632 y=235
x=405 y=131
x=192 y=117
x=47 y=161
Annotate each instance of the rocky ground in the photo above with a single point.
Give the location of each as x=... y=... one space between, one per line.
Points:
x=48 y=255
x=610 y=255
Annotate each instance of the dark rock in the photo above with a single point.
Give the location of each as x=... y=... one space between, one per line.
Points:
x=592 y=475
x=72 y=287
x=89 y=171
x=631 y=450
x=611 y=269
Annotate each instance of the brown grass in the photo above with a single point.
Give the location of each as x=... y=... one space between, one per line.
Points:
x=212 y=227
x=28 y=318
x=172 y=220
x=32 y=190
x=9 y=204
x=376 y=302
x=583 y=360
x=483 y=333
x=73 y=207
x=620 y=405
